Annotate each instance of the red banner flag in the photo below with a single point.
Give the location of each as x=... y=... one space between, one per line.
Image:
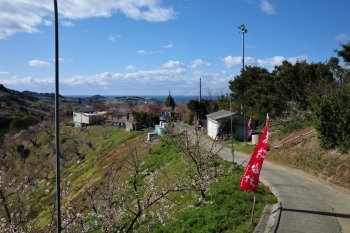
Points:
x=250 y=178
x=249 y=127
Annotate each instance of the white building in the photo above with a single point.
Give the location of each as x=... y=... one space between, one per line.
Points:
x=82 y=115
x=220 y=122
x=213 y=122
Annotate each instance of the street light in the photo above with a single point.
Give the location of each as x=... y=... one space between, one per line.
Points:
x=243 y=30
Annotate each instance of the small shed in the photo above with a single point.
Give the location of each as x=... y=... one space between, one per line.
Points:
x=221 y=123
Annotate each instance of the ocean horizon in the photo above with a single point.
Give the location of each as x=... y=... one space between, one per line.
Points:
x=176 y=98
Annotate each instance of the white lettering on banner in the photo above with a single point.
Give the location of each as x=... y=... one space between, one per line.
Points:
x=266 y=140
x=261 y=153
x=249 y=180
x=255 y=168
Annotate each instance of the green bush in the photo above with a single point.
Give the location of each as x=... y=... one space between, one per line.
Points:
x=332 y=120
x=23 y=122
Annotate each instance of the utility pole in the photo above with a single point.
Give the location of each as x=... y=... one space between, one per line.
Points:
x=200 y=100
x=57 y=124
x=232 y=147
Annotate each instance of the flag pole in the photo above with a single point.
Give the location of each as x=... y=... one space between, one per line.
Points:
x=252 y=213
x=254 y=200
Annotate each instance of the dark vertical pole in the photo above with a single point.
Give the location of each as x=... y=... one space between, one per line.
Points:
x=200 y=99
x=200 y=89
x=58 y=191
x=243 y=51
x=232 y=148
x=243 y=30
x=243 y=95
x=253 y=208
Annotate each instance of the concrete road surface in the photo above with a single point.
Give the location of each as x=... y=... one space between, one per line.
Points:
x=306 y=204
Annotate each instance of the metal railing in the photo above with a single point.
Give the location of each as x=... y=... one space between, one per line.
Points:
x=296 y=140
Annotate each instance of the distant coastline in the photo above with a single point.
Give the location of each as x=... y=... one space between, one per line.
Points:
x=157 y=97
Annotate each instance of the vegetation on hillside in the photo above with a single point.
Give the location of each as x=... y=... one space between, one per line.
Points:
x=113 y=181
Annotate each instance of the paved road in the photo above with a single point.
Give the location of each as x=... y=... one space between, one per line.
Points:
x=308 y=205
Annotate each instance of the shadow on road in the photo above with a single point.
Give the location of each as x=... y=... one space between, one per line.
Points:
x=338 y=215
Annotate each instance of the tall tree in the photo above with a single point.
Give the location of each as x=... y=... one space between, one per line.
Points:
x=344 y=52
x=255 y=91
x=169 y=102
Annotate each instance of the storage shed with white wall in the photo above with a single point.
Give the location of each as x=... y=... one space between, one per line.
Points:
x=220 y=123
x=213 y=121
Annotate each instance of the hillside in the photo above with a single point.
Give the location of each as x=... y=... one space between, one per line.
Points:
x=300 y=149
x=105 y=171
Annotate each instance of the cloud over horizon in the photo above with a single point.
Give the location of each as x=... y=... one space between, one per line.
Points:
x=236 y=61
x=114 y=83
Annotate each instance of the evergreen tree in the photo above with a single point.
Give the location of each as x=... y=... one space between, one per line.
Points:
x=344 y=52
x=169 y=102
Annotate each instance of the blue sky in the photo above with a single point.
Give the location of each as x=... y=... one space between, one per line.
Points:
x=151 y=47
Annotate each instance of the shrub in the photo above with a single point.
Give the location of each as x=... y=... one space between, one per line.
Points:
x=332 y=116
x=23 y=122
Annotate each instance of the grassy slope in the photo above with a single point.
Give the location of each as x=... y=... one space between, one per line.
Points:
x=227 y=207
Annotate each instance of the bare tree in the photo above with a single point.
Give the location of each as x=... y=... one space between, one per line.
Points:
x=199 y=156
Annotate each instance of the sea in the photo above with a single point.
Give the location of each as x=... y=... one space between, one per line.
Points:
x=177 y=98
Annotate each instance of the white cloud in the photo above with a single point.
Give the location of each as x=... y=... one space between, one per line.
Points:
x=47 y=22
x=143 y=82
x=26 y=15
x=168 y=46
x=4 y=72
x=230 y=61
x=38 y=63
x=293 y=60
x=141 y=51
x=267 y=7
x=114 y=37
x=59 y=59
x=67 y=23
x=199 y=62
x=342 y=36
x=130 y=67
x=173 y=64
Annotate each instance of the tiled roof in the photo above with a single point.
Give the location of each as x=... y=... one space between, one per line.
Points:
x=85 y=109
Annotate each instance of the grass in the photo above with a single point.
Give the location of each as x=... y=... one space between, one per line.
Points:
x=225 y=208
